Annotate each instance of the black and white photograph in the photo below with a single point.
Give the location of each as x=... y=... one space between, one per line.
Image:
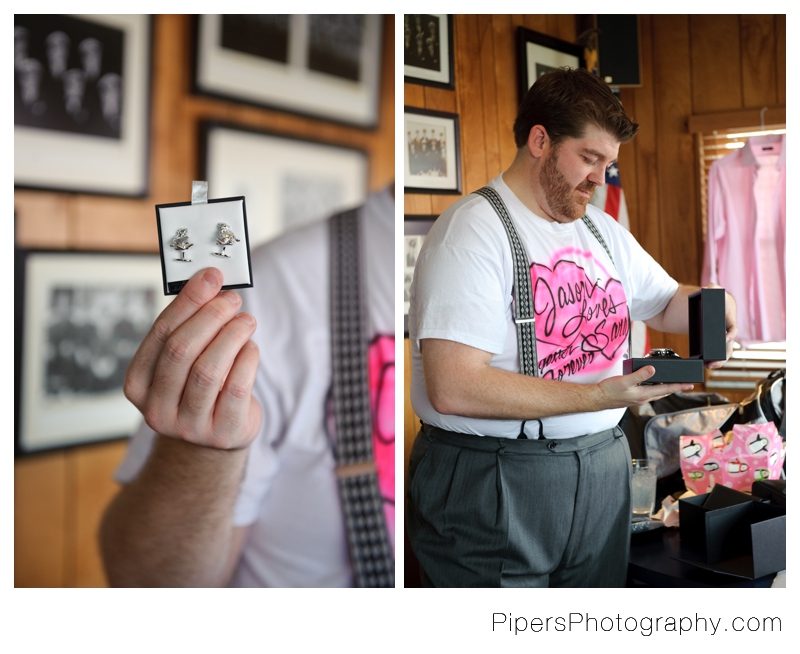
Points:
x=431 y=151
x=258 y=35
x=290 y=61
x=81 y=103
x=428 y=49
x=68 y=75
x=415 y=228
x=288 y=182
x=538 y=54
x=80 y=319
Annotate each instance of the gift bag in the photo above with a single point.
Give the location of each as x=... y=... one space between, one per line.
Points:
x=750 y=453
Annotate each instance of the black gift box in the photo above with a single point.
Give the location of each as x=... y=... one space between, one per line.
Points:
x=731 y=532
x=706 y=342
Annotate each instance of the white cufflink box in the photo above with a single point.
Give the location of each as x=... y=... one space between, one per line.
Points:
x=194 y=236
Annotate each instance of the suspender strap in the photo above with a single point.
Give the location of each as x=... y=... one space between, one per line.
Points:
x=596 y=232
x=367 y=534
x=523 y=297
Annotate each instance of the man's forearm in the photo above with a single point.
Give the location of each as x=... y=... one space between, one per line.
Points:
x=497 y=394
x=171 y=526
x=460 y=380
x=674 y=319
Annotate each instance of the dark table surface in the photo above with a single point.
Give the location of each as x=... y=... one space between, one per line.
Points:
x=653 y=562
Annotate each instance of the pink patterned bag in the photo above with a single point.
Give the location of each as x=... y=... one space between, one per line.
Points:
x=755 y=453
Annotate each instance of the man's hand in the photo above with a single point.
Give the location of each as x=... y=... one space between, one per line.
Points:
x=731 y=328
x=626 y=390
x=192 y=377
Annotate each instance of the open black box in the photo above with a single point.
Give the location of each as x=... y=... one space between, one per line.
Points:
x=734 y=533
x=706 y=342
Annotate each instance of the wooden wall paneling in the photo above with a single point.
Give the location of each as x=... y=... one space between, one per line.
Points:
x=42 y=219
x=413 y=95
x=780 y=57
x=505 y=74
x=91 y=471
x=676 y=176
x=381 y=143
x=491 y=132
x=645 y=226
x=759 y=69
x=416 y=204
x=39 y=521
x=679 y=229
x=116 y=224
x=174 y=135
x=627 y=163
x=410 y=420
x=440 y=100
x=715 y=38
x=470 y=103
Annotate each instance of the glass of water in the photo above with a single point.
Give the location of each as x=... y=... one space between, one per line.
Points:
x=643 y=489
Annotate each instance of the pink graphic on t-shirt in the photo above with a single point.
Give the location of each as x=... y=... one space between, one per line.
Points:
x=581 y=325
x=381 y=393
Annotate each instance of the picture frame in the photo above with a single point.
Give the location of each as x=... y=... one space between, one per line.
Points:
x=539 y=53
x=288 y=182
x=79 y=318
x=428 y=50
x=210 y=227
x=415 y=229
x=289 y=62
x=82 y=103
x=431 y=165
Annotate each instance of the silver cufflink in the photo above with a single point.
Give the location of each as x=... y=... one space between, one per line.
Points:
x=181 y=243
x=225 y=238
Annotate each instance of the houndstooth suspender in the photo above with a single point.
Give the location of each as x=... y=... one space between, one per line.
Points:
x=368 y=540
x=523 y=297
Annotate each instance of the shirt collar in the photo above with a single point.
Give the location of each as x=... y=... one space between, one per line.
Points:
x=749 y=157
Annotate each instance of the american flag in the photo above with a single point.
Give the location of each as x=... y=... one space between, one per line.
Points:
x=611 y=199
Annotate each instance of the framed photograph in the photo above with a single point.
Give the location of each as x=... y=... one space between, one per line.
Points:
x=538 y=54
x=428 y=49
x=415 y=228
x=79 y=318
x=288 y=182
x=321 y=65
x=432 y=152
x=195 y=235
x=81 y=103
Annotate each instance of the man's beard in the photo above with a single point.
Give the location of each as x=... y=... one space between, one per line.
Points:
x=560 y=195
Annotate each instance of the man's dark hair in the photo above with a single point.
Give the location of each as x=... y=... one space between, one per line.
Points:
x=566 y=100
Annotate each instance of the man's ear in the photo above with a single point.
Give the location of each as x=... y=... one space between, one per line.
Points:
x=538 y=141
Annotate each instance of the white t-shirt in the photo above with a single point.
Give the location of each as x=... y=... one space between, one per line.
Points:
x=462 y=291
x=289 y=494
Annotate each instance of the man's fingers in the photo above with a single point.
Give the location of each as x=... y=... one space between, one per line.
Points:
x=198 y=291
x=237 y=411
x=657 y=391
x=183 y=349
x=210 y=371
x=643 y=374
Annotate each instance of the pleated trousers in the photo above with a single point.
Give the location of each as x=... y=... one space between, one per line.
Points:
x=498 y=512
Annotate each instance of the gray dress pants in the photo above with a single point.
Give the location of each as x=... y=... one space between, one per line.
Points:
x=498 y=512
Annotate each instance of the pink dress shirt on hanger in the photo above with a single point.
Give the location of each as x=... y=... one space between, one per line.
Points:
x=745 y=250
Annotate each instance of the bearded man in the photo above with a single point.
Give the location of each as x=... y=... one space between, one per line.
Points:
x=520 y=475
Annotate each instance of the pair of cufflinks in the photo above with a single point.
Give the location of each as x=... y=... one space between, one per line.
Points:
x=225 y=237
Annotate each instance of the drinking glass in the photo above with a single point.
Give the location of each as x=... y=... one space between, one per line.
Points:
x=643 y=489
